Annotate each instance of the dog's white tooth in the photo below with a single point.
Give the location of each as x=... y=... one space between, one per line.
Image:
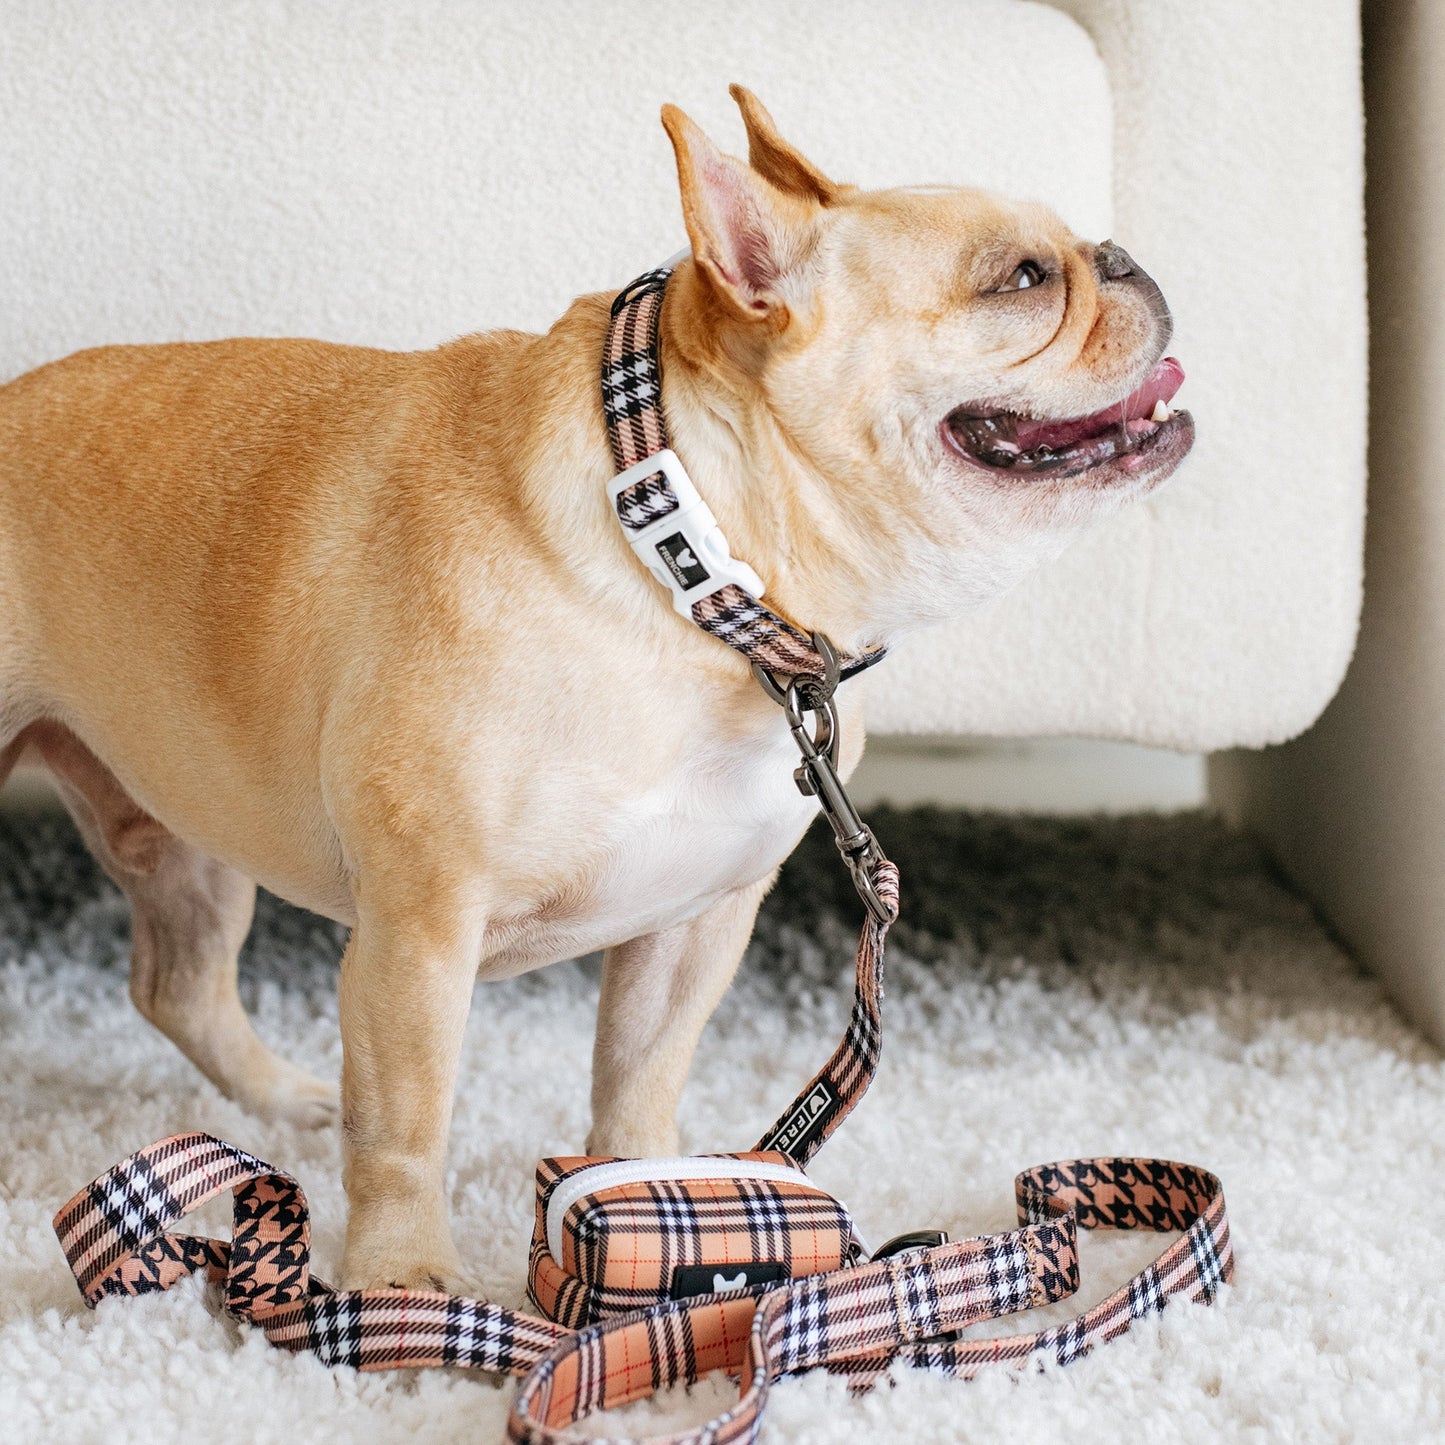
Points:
x=1160 y=412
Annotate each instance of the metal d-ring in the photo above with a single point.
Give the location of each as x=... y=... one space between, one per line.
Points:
x=819 y=689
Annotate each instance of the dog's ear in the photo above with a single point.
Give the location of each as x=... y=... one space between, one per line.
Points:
x=749 y=238
x=779 y=160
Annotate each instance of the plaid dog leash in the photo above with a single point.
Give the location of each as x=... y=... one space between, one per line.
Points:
x=859 y=1321
x=904 y=1305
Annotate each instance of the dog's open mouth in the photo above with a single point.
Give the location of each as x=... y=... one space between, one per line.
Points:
x=1128 y=432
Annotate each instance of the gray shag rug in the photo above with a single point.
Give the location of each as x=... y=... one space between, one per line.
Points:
x=1057 y=987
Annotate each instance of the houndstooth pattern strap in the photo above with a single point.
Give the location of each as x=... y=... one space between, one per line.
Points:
x=859 y=1320
x=114 y=1237
x=829 y=1097
x=632 y=380
x=113 y=1231
x=637 y=429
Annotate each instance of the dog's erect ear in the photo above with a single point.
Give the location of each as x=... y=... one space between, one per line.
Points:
x=748 y=237
x=779 y=160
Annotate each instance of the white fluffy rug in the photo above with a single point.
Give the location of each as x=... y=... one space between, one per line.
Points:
x=1066 y=987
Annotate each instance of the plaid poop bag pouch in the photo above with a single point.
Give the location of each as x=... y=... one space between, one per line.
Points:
x=615 y=1235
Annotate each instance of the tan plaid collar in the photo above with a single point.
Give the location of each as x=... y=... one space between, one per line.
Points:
x=669 y=525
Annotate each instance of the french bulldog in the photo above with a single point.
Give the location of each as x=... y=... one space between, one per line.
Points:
x=362 y=627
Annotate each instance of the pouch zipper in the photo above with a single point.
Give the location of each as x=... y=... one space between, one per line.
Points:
x=617 y=1172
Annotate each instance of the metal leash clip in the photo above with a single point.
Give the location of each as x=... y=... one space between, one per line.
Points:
x=817 y=776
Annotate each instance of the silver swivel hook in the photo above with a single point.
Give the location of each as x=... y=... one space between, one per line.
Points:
x=817 y=776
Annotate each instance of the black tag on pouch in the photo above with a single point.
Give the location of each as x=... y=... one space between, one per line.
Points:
x=695 y=1279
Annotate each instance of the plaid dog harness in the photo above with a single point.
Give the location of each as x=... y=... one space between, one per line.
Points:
x=650 y=1273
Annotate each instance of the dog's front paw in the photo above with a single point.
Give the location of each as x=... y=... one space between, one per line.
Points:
x=376 y=1261
x=437 y=1277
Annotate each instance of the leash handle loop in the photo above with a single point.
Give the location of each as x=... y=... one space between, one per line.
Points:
x=114 y=1234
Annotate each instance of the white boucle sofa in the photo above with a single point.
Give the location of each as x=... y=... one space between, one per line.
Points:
x=399 y=171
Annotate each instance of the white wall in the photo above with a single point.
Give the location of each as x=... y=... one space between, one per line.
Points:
x=1355 y=809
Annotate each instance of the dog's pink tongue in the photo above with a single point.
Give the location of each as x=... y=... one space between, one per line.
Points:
x=1160 y=385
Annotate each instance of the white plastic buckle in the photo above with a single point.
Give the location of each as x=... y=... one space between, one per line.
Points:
x=685 y=550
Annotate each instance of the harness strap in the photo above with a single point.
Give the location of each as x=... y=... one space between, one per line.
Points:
x=637 y=429
x=857 y=1321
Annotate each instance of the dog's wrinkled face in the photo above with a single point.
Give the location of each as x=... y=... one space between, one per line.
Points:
x=970 y=377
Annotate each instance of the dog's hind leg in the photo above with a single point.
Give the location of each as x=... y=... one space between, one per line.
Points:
x=189 y=917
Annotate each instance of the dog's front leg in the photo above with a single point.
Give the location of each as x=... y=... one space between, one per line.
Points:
x=406 y=986
x=657 y=993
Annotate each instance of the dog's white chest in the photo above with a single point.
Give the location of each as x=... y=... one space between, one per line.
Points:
x=725 y=815
x=723 y=819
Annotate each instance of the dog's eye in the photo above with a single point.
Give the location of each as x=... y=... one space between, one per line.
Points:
x=1027 y=273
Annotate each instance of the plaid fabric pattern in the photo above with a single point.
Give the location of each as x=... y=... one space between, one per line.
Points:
x=863 y=1320
x=636 y=429
x=1153 y=1194
x=114 y=1237
x=109 y=1225
x=803 y=1127
x=859 y=1319
x=621 y=1247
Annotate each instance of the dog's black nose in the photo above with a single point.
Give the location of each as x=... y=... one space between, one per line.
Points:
x=1114 y=263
